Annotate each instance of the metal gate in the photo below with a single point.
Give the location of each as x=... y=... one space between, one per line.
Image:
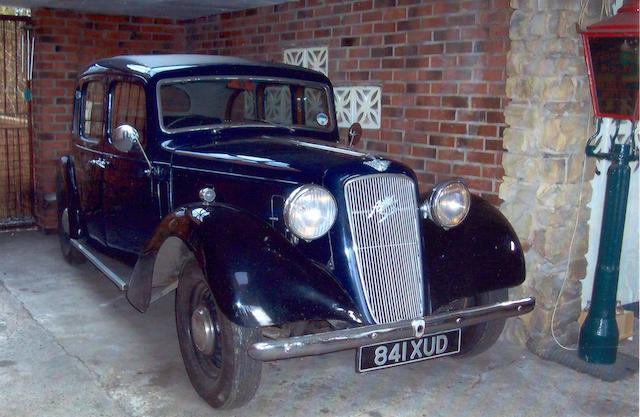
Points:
x=16 y=156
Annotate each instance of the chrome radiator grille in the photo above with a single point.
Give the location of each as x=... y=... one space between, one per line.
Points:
x=383 y=218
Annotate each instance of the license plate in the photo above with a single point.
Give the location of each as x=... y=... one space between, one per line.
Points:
x=400 y=352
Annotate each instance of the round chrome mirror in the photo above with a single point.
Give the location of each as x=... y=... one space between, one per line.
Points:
x=124 y=137
x=355 y=133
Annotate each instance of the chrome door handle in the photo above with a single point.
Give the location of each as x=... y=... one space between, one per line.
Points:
x=100 y=163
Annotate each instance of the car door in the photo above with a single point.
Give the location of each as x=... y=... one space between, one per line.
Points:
x=130 y=206
x=89 y=160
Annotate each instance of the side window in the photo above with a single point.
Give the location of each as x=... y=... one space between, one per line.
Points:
x=128 y=106
x=75 y=122
x=92 y=110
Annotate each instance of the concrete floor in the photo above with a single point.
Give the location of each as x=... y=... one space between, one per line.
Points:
x=70 y=345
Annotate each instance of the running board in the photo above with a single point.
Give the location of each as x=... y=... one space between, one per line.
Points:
x=105 y=265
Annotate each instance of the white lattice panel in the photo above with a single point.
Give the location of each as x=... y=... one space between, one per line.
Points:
x=277 y=107
x=316 y=58
x=358 y=104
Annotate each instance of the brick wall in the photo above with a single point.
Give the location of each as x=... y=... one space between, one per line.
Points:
x=441 y=66
x=66 y=42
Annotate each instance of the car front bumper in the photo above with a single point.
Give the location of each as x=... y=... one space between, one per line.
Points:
x=320 y=343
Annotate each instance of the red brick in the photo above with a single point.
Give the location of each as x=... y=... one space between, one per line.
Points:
x=438 y=167
x=413 y=113
x=471 y=143
x=455 y=101
x=397 y=13
x=442 y=114
x=455 y=128
x=485 y=102
x=450 y=155
x=423 y=152
x=420 y=11
x=467 y=170
x=432 y=101
x=436 y=140
x=481 y=157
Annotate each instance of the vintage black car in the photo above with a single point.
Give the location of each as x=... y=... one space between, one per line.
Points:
x=224 y=179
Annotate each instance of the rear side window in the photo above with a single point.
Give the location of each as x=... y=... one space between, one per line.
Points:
x=93 y=110
x=128 y=107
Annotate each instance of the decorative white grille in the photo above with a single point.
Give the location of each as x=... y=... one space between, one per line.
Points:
x=316 y=58
x=358 y=104
x=277 y=107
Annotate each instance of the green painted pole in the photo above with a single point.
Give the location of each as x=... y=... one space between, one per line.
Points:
x=599 y=332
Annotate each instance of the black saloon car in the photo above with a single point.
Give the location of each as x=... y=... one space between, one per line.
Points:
x=224 y=179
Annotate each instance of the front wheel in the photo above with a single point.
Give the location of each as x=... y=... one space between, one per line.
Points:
x=477 y=339
x=214 y=349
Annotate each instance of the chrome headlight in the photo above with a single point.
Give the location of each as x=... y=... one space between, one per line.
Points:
x=310 y=211
x=448 y=204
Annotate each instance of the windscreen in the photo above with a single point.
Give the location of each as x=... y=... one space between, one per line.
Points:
x=203 y=103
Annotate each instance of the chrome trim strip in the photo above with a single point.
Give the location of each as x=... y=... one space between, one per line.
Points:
x=237 y=159
x=234 y=174
x=321 y=343
x=329 y=148
x=115 y=278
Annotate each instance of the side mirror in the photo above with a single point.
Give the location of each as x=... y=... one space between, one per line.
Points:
x=355 y=133
x=124 y=137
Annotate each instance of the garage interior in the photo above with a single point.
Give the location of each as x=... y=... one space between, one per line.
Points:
x=493 y=91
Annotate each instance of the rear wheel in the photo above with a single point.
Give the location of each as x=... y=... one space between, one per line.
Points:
x=214 y=349
x=477 y=339
x=70 y=253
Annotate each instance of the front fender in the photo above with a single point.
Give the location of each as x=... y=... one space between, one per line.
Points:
x=482 y=254
x=67 y=194
x=258 y=278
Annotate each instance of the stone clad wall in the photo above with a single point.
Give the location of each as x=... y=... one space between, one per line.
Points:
x=549 y=121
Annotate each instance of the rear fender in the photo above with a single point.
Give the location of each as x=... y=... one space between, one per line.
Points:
x=482 y=254
x=257 y=277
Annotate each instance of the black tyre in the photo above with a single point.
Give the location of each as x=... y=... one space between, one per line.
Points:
x=214 y=349
x=477 y=339
x=70 y=253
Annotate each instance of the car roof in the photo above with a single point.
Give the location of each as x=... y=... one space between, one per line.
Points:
x=150 y=66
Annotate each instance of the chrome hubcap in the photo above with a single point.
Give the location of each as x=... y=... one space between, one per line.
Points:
x=65 y=221
x=202 y=330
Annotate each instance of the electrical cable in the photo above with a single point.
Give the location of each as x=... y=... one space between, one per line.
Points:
x=605 y=10
x=566 y=274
